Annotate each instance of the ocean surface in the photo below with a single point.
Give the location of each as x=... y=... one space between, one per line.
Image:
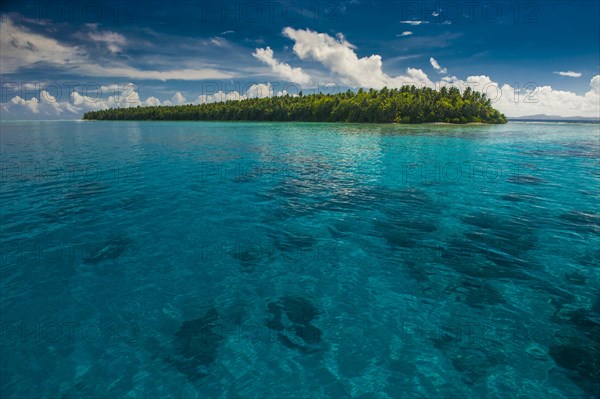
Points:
x=299 y=260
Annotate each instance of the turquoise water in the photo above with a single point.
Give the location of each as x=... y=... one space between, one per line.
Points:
x=275 y=260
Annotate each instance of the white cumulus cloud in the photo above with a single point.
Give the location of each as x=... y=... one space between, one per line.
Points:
x=178 y=98
x=260 y=90
x=339 y=57
x=533 y=100
x=282 y=69
x=437 y=66
x=405 y=33
x=46 y=106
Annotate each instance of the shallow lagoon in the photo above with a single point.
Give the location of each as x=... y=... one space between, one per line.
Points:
x=295 y=260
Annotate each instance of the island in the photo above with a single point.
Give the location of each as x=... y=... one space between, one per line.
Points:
x=408 y=104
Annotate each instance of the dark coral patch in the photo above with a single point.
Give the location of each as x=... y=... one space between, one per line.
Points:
x=196 y=344
x=291 y=317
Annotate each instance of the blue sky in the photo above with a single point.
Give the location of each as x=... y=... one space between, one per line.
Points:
x=61 y=58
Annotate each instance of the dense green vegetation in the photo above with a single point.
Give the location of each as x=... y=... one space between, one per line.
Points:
x=405 y=105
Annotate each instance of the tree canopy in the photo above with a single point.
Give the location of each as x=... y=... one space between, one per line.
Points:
x=408 y=104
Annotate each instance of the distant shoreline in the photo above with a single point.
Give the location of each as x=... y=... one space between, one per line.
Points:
x=348 y=123
x=597 y=121
x=407 y=105
x=262 y=121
